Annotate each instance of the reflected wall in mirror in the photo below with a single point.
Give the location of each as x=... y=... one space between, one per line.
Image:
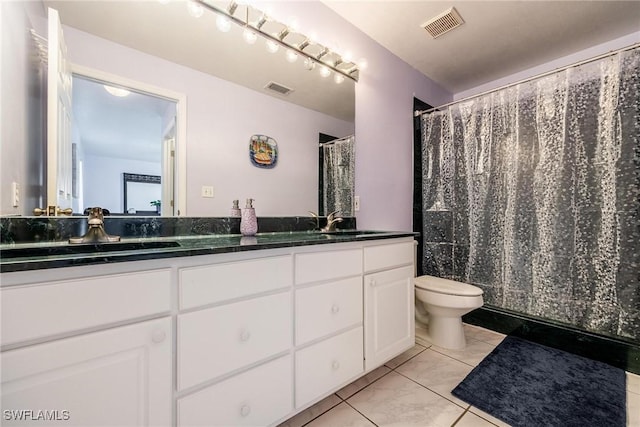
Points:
x=116 y=131
x=224 y=80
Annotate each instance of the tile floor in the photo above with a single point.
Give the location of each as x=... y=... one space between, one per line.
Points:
x=414 y=390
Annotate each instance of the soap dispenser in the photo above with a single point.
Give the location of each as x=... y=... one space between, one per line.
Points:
x=235 y=210
x=249 y=222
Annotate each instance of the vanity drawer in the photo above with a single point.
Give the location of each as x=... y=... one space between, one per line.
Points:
x=257 y=397
x=46 y=309
x=315 y=267
x=326 y=308
x=387 y=256
x=221 y=282
x=325 y=366
x=218 y=340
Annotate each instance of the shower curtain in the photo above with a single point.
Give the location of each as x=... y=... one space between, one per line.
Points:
x=338 y=175
x=532 y=193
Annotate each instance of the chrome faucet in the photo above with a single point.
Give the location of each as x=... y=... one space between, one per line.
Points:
x=332 y=220
x=95 y=233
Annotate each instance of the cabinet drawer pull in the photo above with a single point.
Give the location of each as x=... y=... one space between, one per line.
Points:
x=158 y=336
x=245 y=410
x=245 y=335
x=335 y=308
x=335 y=365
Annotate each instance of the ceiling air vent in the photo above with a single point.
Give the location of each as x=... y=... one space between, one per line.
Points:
x=277 y=87
x=443 y=23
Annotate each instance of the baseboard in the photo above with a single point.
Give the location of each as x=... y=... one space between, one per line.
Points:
x=615 y=352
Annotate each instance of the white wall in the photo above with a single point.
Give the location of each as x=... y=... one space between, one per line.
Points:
x=103 y=183
x=565 y=61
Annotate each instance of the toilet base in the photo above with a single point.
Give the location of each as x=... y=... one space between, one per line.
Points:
x=447 y=332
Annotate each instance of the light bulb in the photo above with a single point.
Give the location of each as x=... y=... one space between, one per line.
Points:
x=292 y=56
x=338 y=78
x=324 y=71
x=272 y=46
x=223 y=23
x=363 y=64
x=249 y=36
x=116 y=91
x=347 y=57
x=164 y=1
x=309 y=64
x=196 y=10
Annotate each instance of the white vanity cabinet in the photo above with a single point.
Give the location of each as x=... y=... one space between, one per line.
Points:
x=234 y=339
x=388 y=301
x=68 y=359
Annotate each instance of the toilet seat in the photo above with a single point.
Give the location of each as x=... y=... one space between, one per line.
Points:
x=446 y=286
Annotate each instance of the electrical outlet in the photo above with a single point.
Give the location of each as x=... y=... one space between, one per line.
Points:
x=207 y=191
x=15 y=194
x=356 y=203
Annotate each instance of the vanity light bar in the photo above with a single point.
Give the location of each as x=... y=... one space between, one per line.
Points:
x=350 y=72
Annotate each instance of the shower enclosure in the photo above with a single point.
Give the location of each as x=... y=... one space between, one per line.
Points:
x=532 y=192
x=338 y=176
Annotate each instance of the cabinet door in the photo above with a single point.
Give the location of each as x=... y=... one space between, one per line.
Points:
x=118 y=377
x=388 y=310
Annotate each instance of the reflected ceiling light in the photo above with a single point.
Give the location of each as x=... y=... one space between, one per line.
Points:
x=195 y=9
x=338 y=78
x=325 y=71
x=223 y=23
x=249 y=36
x=316 y=52
x=272 y=46
x=292 y=56
x=116 y=91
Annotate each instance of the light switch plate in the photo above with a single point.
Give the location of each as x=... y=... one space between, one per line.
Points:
x=207 y=191
x=356 y=203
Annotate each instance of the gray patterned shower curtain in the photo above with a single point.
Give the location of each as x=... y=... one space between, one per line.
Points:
x=338 y=175
x=533 y=194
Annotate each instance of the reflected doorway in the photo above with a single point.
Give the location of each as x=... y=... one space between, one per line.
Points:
x=119 y=130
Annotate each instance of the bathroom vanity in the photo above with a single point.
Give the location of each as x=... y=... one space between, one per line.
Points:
x=201 y=335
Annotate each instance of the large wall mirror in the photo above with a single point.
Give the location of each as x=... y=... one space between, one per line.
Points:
x=169 y=33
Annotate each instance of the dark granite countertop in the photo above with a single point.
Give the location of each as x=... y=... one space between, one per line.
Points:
x=36 y=256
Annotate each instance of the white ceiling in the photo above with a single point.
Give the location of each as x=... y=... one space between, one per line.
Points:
x=498 y=38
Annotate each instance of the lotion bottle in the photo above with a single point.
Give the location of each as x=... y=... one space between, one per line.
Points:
x=235 y=210
x=249 y=222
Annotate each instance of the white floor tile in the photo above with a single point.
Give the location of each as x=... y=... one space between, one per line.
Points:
x=633 y=410
x=399 y=360
x=482 y=334
x=472 y=354
x=633 y=383
x=351 y=389
x=470 y=419
x=342 y=415
x=312 y=412
x=397 y=401
x=437 y=372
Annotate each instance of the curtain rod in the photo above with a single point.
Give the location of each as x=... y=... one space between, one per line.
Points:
x=538 y=76
x=337 y=140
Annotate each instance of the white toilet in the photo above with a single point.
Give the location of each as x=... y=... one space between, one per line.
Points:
x=445 y=302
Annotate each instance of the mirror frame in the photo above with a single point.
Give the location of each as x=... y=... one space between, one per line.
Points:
x=180 y=174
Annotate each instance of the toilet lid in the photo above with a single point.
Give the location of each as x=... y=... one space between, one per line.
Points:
x=446 y=286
